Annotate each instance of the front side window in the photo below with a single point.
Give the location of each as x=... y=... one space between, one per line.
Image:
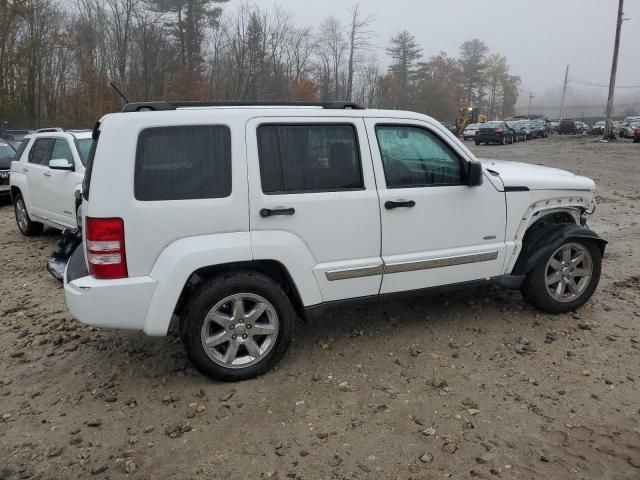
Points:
x=61 y=150
x=186 y=162
x=41 y=151
x=309 y=158
x=415 y=157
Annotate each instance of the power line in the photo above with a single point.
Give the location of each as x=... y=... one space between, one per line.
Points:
x=587 y=83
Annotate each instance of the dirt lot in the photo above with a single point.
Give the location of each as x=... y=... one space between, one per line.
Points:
x=431 y=389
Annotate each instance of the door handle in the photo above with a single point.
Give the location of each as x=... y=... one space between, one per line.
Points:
x=24 y=169
x=390 y=205
x=272 y=212
x=47 y=174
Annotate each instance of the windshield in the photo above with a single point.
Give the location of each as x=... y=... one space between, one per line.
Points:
x=84 y=145
x=6 y=150
x=491 y=125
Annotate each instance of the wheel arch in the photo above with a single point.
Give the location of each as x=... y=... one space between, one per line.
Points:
x=546 y=234
x=271 y=268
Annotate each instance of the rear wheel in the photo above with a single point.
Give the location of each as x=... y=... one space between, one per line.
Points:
x=566 y=279
x=238 y=326
x=477 y=142
x=26 y=226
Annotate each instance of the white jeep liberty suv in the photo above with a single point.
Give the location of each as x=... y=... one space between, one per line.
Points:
x=232 y=220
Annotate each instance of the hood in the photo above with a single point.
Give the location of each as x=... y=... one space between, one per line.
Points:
x=536 y=177
x=5 y=163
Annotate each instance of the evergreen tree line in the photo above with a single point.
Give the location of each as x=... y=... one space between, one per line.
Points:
x=56 y=61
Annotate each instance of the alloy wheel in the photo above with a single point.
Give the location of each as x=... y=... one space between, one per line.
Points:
x=240 y=330
x=21 y=215
x=568 y=272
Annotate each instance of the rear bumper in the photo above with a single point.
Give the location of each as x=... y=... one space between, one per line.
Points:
x=121 y=303
x=489 y=138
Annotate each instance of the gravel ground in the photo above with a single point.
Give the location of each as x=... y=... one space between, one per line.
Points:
x=423 y=390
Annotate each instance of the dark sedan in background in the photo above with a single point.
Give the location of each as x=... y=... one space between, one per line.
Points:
x=494 y=132
x=7 y=154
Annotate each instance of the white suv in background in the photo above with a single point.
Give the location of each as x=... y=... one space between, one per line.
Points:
x=233 y=220
x=47 y=173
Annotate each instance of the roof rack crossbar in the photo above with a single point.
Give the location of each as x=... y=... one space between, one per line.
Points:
x=162 y=105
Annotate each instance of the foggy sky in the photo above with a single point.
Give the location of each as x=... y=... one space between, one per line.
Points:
x=539 y=37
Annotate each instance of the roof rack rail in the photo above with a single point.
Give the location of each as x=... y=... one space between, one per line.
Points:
x=49 y=130
x=162 y=105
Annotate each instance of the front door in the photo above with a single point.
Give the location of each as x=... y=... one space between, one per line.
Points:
x=313 y=194
x=59 y=185
x=436 y=230
x=36 y=170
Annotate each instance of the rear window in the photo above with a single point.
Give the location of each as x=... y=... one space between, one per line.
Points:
x=181 y=163
x=491 y=125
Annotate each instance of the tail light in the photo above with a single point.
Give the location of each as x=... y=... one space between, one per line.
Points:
x=499 y=130
x=105 y=248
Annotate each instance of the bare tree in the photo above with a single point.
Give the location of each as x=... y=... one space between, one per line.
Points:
x=359 y=39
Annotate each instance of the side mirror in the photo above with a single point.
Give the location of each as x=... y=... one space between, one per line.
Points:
x=475 y=174
x=60 y=164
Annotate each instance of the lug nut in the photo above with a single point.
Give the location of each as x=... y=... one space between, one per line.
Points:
x=244 y=336
x=234 y=336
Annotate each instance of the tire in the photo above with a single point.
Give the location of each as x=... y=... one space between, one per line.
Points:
x=636 y=140
x=511 y=142
x=27 y=227
x=251 y=288
x=504 y=140
x=536 y=292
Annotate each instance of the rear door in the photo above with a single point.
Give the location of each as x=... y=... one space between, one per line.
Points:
x=312 y=189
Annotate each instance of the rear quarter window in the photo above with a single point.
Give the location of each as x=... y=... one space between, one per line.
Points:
x=182 y=163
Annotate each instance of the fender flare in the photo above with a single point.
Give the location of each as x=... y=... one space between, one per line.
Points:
x=541 y=242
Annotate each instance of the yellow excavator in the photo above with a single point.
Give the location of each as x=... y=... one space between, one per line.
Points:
x=467 y=116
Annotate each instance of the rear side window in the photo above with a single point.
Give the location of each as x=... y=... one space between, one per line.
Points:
x=41 y=151
x=309 y=158
x=180 y=163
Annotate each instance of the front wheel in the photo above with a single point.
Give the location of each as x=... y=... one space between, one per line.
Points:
x=477 y=142
x=566 y=279
x=238 y=326
x=27 y=227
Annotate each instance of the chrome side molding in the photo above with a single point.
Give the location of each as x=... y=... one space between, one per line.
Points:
x=354 y=272
x=440 y=262
x=369 y=270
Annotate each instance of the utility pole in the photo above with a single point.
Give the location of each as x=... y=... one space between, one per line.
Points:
x=564 y=92
x=531 y=97
x=614 y=68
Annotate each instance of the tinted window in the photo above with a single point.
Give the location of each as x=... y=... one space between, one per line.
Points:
x=179 y=163
x=61 y=150
x=415 y=157
x=84 y=147
x=41 y=150
x=6 y=150
x=309 y=158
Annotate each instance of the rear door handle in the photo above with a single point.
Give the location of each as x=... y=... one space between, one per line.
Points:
x=272 y=212
x=47 y=174
x=390 y=205
x=24 y=169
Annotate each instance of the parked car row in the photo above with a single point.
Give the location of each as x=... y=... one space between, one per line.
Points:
x=506 y=132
